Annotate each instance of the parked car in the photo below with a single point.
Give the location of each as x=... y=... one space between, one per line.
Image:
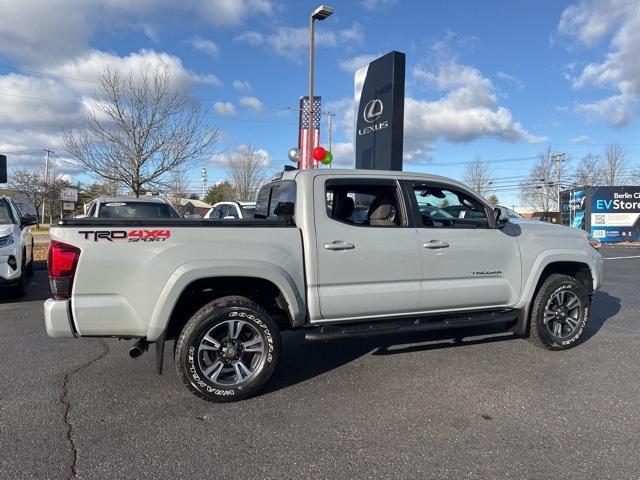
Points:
x=231 y=210
x=16 y=246
x=129 y=207
x=225 y=291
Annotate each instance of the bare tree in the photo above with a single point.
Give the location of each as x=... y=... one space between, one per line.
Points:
x=177 y=186
x=247 y=172
x=139 y=129
x=540 y=189
x=31 y=184
x=589 y=171
x=478 y=177
x=615 y=165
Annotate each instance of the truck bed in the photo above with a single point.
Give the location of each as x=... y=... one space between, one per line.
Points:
x=130 y=270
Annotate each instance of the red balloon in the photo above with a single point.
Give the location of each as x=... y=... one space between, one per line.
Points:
x=319 y=154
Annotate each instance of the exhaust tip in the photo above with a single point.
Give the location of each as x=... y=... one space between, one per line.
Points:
x=138 y=348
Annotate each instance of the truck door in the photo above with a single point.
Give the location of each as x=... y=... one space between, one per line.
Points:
x=368 y=257
x=466 y=263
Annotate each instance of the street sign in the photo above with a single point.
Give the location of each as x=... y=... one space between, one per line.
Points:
x=68 y=206
x=69 y=195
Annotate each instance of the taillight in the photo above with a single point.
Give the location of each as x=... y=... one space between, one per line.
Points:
x=63 y=260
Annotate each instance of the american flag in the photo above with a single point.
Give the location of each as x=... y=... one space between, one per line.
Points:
x=306 y=162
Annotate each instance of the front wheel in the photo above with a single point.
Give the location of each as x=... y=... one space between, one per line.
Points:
x=560 y=313
x=228 y=350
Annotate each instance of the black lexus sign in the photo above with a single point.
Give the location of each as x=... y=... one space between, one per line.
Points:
x=3 y=169
x=379 y=96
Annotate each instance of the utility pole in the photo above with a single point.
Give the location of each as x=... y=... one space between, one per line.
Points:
x=558 y=158
x=46 y=177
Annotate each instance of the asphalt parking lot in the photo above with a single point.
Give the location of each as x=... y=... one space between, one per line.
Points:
x=391 y=407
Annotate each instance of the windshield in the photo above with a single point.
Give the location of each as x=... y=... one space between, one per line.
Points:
x=5 y=213
x=136 y=210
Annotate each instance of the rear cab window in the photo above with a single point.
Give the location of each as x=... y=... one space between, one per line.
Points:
x=276 y=200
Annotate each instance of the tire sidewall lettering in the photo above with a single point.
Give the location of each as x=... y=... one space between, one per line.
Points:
x=584 y=318
x=197 y=380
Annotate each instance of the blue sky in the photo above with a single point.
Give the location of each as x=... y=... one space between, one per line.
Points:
x=498 y=79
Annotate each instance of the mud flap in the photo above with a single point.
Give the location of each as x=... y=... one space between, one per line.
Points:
x=160 y=352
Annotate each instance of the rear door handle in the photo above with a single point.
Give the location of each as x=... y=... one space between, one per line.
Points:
x=339 y=245
x=435 y=244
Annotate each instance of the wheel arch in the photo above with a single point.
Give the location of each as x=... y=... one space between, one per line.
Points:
x=567 y=263
x=193 y=285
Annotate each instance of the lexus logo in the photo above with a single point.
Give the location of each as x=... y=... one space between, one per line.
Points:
x=372 y=110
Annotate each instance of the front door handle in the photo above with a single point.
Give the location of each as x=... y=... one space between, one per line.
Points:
x=339 y=245
x=435 y=244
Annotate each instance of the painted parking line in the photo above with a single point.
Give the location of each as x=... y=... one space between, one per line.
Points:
x=618 y=258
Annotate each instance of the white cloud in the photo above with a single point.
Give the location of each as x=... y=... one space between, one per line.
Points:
x=252 y=38
x=580 y=140
x=91 y=65
x=205 y=46
x=224 y=108
x=293 y=42
x=221 y=159
x=253 y=103
x=468 y=110
x=377 y=4
x=39 y=103
x=590 y=22
x=350 y=65
x=35 y=33
x=36 y=109
x=343 y=155
x=511 y=78
x=241 y=85
x=232 y=12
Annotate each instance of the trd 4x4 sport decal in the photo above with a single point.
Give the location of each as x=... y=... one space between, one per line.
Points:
x=130 y=236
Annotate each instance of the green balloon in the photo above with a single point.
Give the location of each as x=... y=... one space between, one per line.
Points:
x=328 y=158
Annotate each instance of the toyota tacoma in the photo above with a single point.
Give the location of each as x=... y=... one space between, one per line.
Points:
x=335 y=253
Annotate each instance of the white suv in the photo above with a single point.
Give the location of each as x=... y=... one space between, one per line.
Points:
x=231 y=210
x=16 y=245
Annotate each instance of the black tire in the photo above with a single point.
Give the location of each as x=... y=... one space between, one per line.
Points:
x=554 y=327
x=193 y=357
x=29 y=269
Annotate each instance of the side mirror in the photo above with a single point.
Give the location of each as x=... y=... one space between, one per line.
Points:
x=28 y=220
x=501 y=215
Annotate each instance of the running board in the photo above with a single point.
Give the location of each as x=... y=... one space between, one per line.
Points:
x=422 y=324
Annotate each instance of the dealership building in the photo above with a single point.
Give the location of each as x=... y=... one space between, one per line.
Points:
x=610 y=214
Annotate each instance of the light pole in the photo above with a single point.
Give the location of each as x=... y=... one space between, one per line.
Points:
x=319 y=13
x=558 y=158
x=203 y=177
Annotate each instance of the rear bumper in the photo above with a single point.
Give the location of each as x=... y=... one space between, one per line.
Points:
x=57 y=319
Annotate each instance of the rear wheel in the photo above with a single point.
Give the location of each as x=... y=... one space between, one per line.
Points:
x=228 y=350
x=560 y=313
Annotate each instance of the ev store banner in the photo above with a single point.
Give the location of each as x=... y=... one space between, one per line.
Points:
x=615 y=214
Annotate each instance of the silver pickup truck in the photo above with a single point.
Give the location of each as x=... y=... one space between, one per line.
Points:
x=336 y=253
